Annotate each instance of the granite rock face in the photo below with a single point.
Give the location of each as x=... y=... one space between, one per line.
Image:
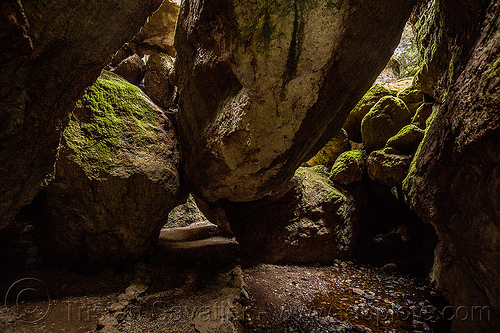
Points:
x=157 y=35
x=116 y=179
x=256 y=78
x=454 y=179
x=156 y=82
x=51 y=51
x=310 y=222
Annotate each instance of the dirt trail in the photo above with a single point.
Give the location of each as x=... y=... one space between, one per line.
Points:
x=197 y=285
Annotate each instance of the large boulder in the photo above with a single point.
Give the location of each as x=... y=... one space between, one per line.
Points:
x=329 y=153
x=388 y=168
x=310 y=222
x=131 y=69
x=116 y=179
x=51 y=51
x=454 y=179
x=185 y=215
x=349 y=167
x=266 y=84
x=407 y=140
x=352 y=124
x=157 y=35
x=156 y=82
x=384 y=120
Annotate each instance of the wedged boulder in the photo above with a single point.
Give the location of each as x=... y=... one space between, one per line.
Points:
x=352 y=124
x=185 y=214
x=454 y=179
x=384 y=120
x=311 y=222
x=131 y=69
x=336 y=146
x=156 y=82
x=407 y=140
x=413 y=98
x=116 y=179
x=51 y=51
x=388 y=168
x=422 y=114
x=265 y=85
x=349 y=167
x=157 y=35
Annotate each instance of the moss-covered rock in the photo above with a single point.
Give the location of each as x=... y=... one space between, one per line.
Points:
x=349 y=167
x=336 y=146
x=116 y=178
x=311 y=222
x=388 y=168
x=384 y=120
x=50 y=52
x=185 y=214
x=422 y=115
x=156 y=82
x=407 y=140
x=413 y=98
x=352 y=124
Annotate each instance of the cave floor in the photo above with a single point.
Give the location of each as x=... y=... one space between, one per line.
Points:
x=198 y=286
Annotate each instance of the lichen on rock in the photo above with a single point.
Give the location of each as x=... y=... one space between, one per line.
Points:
x=116 y=179
x=384 y=120
x=336 y=146
x=407 y=139
x=349 y=167
x=352 y=124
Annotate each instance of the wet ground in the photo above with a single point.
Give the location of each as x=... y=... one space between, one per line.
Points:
x=344 y=297
x=197 y=285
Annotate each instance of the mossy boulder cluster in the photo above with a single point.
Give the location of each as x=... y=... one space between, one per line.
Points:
x=116 y=178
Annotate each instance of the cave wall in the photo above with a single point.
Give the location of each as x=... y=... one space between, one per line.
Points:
x=454 y=180
x=51 y=51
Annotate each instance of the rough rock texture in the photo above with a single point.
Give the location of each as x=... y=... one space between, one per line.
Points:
x=51 y=51
x=445 y=32
x=131 y=69
x=156 y=82
x=384 y=120
x=455 y=177
x=390 y=73
x=352 y=124
x=336 y=146
x=185 y=214
x=271 y=72
x=158 y=34
x=388 y=168
x=413 y=98
x=349 y=167
x=311 y=222
x=116 y=179
x=407 y=140
x=422 y=114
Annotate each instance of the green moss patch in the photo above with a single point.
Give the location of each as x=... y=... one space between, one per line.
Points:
x=111 y=115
